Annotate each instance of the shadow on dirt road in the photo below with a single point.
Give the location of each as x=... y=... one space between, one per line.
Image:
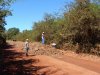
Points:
x=12 y=63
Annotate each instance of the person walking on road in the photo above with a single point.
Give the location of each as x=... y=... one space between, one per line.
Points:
x=26 y=47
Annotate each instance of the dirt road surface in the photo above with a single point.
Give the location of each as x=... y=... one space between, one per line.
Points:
x=45 y=60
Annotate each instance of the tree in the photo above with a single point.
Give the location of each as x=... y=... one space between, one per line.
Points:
x=83 y=23
x=12 y=32
x=4 y=12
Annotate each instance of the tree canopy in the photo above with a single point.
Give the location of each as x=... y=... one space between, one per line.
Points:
x=4 y=12
x=12 y=32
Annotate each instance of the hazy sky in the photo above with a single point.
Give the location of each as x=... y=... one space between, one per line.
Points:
x=26 y=12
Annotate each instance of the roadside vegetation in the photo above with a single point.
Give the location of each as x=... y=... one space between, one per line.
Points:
x=78 y=28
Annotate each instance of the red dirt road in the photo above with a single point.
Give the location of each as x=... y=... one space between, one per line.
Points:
x=93 y=66
x=14 y=62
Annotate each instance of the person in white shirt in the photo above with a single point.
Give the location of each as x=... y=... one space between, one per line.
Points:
x=26 y=47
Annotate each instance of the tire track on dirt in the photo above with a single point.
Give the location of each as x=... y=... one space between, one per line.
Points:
x=93 y=66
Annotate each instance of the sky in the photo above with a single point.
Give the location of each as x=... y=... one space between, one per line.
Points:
x=26 y=12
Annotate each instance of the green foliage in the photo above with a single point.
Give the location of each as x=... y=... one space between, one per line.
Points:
x=4 y=12
x=79 y=24
x=83 y=23
x=11 y=33
x=50 y=26
x=26 y=34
